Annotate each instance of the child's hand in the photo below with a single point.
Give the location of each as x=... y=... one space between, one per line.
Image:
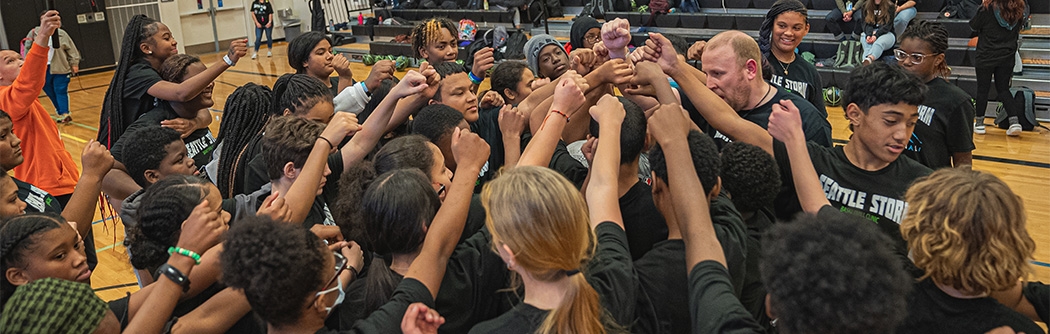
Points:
x=583 y=60
x=567 y=97
x=669 y=123
x=381 y=70
x=608 y=109
x=646 y=73
x=615 y=71
x=342 y=66
x=238 y=48
x=469 y=149
x=185 y=127
x=511 y=121
x=96 y=159
x=660 y=51
x=785 y=123
x=420 y=319
x=202 y=230
x=413 y=83
x=49 y=23
x=275 y=207
x=589 y=148
x=433 y=79
x=696 y=50
x=355 y=256
x=343 y=124
x=491 y=99
x=483 y=61
x=616 y=34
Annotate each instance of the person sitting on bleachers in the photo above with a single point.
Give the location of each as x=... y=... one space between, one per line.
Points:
x=877 y=25
x=841 y=21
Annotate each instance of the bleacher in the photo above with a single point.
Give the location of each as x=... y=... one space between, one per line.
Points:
x=747 y=15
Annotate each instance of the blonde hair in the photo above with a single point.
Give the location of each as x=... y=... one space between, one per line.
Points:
x=744 y=47
x=543 y=219
x=966 y=229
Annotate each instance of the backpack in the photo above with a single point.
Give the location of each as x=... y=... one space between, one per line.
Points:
x=657 y=7
x=960 y=9
x=849 y=54
x=516 y=45
x=1025 y=97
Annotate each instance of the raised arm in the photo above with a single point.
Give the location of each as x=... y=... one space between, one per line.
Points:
x=410 y=105
x=82 y=204
x=27 y=85
x=187 y=90
x=602 y=188
x=301 y=194
x=567 y=98
x=470 y=152
x=785 y=125
x=373 y=129
x=511 y=124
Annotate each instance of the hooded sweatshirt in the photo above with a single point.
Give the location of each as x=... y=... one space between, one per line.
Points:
x=996 y=38
x=578 y=30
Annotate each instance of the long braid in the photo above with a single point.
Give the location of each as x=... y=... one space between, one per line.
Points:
x=164 y=207
x=174 y=68
x=16 y=237
x=935 y=35
x=244 y=116
x=298 y=93
x=766 y=31
x=111 y=121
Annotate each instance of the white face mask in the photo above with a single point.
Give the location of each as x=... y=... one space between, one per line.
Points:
x=338 y=300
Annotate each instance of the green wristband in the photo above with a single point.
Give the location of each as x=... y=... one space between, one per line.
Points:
x=185 y=252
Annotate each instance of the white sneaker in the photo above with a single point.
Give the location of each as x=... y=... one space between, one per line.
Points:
x=1014 y=130
x=978 y=128
x=269 y=53
x=255 y=55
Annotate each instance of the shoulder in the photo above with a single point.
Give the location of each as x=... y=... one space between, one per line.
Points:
x=909 y=169
x=523 y=318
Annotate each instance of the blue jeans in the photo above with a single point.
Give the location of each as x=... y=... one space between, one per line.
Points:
x=258 y=37
x=56 y=86
x=882 y=43
x=900 y=22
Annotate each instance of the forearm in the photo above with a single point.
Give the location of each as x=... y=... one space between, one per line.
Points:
x=301 y=194
x=189 y=89
x=403 y=109
x=511 y=149
x=602 y=187
x=216 y=315
x=962 y=159
x=118 y=184
x=445 y=231
x=692 y=70
x=203 y=119
x=161 y=301
x=544 y=141
x=719 y=114
x=366 y=139
x=692 y=213
x=906 y=5
x=82 y=204
x=807 y=184
x=202 y=277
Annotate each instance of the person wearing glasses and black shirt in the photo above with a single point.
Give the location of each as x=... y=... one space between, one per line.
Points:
x=942 y=136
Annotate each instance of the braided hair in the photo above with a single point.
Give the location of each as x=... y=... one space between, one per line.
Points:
x=139 y=30
x=17 y=236
x=766 y=31
x=298 y=93
x=429 y=30
x=299 y=49
x=163 y=208
x=935 y=36
x=246 y=112
x=150 y=145
x=174 y=68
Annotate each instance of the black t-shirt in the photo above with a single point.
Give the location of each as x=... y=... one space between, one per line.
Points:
x=753 y=294
x=1038 y=294
x=262 y=11
x=642 y=222
x=814 y=122
x=875 y=195
x=711 y=302
x=996 y=44
x=487 y=127
x=563 y=163
x=470 y=290
x=387 y=319
x=199 y=144
x=609 y=272
x=800 y=77
x=944 y=124
x=37 y=200
x=931 y=311
x=136 y=99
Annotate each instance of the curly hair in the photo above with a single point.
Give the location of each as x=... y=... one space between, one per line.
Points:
x=163 y=208
x=174 y=68
x=750 y=175
x=936 y=38
x=429 y=30
x=632 y=131
x=298 y=93
x=436 y=121
x=300 y=47
x=881 y=83
x=17 y=236
x=288 y=139
x=278 y=266
x=966 y=229
x=150 y=145
x=833 y=273
x=140 y=29
x=705 y=160
x=246 y=112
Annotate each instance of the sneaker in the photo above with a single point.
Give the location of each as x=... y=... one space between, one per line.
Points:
x=1014 y=130
x=64 y=120
x=867 y=60
x=269 y=53
x=978 y=128
x=255 y=55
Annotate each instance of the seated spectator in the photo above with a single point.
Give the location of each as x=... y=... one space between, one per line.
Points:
x=877 y=35
x=843 y=21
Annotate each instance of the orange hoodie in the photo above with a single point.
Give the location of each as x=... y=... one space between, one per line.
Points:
x=47 y=163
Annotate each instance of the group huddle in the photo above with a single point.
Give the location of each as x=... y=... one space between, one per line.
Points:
x=600 y=189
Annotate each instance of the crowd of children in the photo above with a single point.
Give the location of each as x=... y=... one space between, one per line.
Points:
x=704 y=199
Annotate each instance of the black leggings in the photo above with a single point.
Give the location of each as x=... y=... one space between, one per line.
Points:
x=837 y=27
x=1002 y=73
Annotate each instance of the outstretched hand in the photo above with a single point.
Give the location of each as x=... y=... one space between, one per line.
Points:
x=567 y=97
x=49 y=24
x=412 y=83
x=96 y=159
x=381 y=70
x=616 y=34
x=607 y=109
x=660 y=51
x=343 y=124
x=615 y=71
x=203 y=229
x=785 y=123
x=420 y=319
x=238 y=49
x=669 y=123
x=469 y=149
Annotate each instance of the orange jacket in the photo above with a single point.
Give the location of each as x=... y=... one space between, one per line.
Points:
x=47 y=163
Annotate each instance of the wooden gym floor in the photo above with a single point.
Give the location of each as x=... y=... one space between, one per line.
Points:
x=1023 y=162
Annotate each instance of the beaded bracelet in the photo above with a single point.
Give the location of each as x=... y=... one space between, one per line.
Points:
x=474 y=78
x=185 y=252
x=556 y=111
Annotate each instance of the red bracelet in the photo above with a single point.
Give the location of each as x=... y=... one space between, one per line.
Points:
x=556 y=111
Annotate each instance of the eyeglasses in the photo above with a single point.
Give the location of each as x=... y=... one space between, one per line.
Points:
x=592 y=38
x=914 y=58
x=441 y=190
x=340 y=265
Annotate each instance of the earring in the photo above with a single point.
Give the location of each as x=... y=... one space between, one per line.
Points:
x=149 y=53
x=773 y=322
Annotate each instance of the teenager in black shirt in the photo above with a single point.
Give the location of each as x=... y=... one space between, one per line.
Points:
x=785 y=26
x=942 y=137
x=137 y=85
x=982 y=246
x=998 y=26
x=867 y=176
x=311 y=54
